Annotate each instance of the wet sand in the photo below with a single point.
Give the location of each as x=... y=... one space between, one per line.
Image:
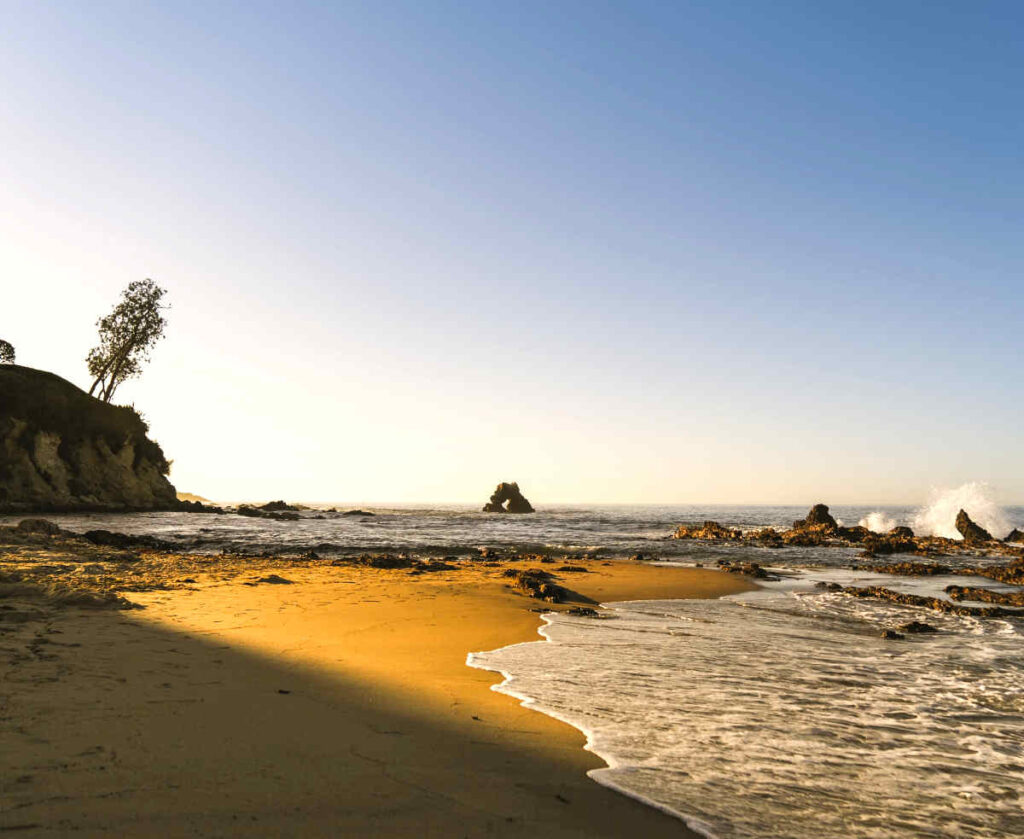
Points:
x=338 y=704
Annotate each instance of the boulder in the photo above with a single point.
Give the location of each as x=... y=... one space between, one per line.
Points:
x=508 y=499
x=901 y=532
x=819 y=515
x=971 y=532
x=44 y=526
x=916 y=628
x=1015 y=535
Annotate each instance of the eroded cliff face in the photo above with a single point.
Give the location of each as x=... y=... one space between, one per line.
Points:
x=60 y=449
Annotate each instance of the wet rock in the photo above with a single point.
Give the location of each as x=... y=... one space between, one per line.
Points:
x=124 y=541
x=386 y=561
x=260 y=513
x=971 y=532
x=916 y=628
x=1015 y=535
x=582 y=612
x=767 y=537
x=536 y=583
x=508 y=499
x=748 y=569
x=818 y=516
x=357 y=513
x=901 y=532
x=42 y=526
x=855 y=534
x=984 y=595
x=639 y=557
x=811 y=536
x=882 y=593
x=709 y=530
x=274 y=579
x=889 y=543
x=435 y=564
x=908 y=569
x=892 y=635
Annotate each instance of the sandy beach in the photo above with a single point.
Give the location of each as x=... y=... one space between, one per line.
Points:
x=335 y=704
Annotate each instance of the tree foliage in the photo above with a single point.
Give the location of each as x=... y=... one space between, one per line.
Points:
x=6 y=352
x=127 y=335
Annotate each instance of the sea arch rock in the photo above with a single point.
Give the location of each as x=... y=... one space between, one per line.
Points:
x=508 y=499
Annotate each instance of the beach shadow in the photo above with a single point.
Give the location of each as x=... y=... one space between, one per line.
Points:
x=117 y=726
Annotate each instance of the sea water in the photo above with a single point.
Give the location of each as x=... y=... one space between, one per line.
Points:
x=784 y=713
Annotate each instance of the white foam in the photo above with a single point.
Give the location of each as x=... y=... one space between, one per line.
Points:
x=878 y=521
x=938 y=518
x=711 y=707
x=598 y=775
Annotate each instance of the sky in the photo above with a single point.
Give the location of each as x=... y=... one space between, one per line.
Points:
x=619 y=252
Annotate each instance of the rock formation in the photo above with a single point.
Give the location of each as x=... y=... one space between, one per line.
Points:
x=819 y=515
x=508 y=499
x=61 y=449
x=1015 y=535
x=710 y=530
x=971 y=532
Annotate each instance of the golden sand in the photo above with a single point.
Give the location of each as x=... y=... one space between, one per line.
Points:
x=337 y=705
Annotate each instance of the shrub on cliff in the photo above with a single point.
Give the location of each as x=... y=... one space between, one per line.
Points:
x=6 y=352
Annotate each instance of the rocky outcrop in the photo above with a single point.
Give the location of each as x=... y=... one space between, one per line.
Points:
x=817 y=517
x=971 y=532
x=278 y=507
x=61 y=449
x=508 y=499
x=710 y=530
x=1015 y=535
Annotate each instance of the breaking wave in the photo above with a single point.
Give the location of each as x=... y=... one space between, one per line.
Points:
x=938 y=518
x=878 y=522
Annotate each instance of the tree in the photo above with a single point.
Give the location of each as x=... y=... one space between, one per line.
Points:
x=127 y=335
x=6 y=352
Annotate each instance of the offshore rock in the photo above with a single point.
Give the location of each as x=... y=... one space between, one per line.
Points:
x=278 y=507
x=971 y=532
x=1014 y=535
x=508 y=499
x=818 y=516
x=261 y=513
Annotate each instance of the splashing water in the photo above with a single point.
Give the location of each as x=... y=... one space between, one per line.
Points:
x=878 y=522
x=939 y=517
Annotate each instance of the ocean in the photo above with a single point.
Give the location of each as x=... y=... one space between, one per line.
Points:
x=780 y=712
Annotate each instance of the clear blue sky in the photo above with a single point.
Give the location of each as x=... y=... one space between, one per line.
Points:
x=615 y=251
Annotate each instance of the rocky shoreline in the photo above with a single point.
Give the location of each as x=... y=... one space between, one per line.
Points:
x=820 y=529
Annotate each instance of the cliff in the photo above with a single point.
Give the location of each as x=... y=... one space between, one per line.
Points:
x=61 y=449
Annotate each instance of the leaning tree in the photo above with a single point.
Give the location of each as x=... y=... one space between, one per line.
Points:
x=6 y=352
x=127 y=335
